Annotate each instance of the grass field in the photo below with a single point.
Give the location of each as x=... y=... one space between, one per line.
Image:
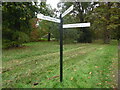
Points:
x=37 y=66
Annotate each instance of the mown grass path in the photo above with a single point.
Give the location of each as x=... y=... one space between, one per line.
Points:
x=37 y=66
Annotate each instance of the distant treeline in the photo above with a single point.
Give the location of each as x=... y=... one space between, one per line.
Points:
x=20 y=23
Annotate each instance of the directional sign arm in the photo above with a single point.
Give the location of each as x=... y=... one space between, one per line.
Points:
x=76 y=25
x=48 y=18
x=67 y=11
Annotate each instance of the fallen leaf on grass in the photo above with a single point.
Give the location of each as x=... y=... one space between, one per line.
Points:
x=106 y=81
x=112 y=86
x=53 y=77
x=17 y=61
x=110 y=68
x=71 y=78
x=98 y=84
x=88 y=77
x=74 y=69
x=113 y=75
x=90 y=72
x=96 y=67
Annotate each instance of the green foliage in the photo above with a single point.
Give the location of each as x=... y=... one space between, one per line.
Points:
x=70 y=35
x=46 y=9
x=76 y=16
x=23 y=37
x=54 y=30
x=83 y=9
x=16 y=26
x=46 y=27
x=6 y=43
x=20 y=36
x=19 y=22
x=85 y=35
x=35 y=35
x=105 y=20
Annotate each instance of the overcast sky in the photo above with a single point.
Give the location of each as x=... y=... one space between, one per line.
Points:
x=53 y=3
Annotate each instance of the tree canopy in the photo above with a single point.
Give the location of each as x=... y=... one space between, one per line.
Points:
x=20 y=19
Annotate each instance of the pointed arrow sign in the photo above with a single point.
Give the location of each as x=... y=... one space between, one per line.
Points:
x=67 y=11
x=41 y=16
x=76 y=25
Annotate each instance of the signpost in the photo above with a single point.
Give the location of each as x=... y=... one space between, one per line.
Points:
x=41 y=16
x=61 y=40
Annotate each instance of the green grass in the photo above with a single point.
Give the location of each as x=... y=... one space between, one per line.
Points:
x=85 y=66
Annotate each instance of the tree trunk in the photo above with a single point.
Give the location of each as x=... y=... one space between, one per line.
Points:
x=48 y=36
x=107 y=36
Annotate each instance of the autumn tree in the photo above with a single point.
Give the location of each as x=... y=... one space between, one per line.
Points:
x=16 y=27
x=105 y=19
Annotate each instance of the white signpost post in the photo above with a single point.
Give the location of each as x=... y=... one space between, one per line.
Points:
x=41 y=16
